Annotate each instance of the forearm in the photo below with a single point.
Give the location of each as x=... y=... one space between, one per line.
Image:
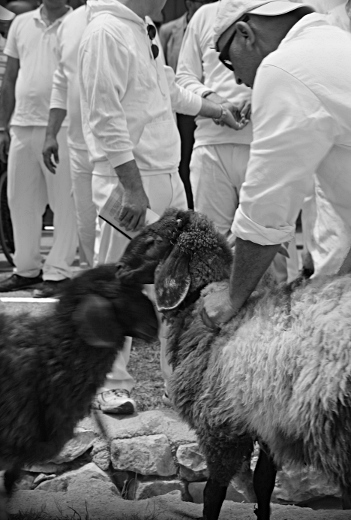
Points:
x=129 y=176
x=56 y=117
x=7 y=103
x=210 y=109
x=250 y=263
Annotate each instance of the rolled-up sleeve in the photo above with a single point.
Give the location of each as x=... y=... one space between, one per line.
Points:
x=104 y=64
x=190 y=70
x=183 y=101
x=59 y=84
x=293 y=132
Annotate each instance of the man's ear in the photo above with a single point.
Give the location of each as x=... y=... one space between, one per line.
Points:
x=245 y=31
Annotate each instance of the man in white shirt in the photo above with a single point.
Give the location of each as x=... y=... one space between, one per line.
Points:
x=298 y=66
x=25 y=97
x=65 y=99
x=221 y=154
x=127 y=101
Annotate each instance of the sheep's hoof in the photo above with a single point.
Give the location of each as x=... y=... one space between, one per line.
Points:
x=256 y=511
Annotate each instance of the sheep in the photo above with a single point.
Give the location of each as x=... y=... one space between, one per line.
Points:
x=52 y=365
x=279 y=372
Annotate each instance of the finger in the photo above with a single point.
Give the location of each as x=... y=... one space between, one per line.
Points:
x=141 y=222
x=207 y=320
x=56 y=156
x=131 y=226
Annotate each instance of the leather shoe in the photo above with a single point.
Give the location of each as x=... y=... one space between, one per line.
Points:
x=17 y=282
x=50 y=288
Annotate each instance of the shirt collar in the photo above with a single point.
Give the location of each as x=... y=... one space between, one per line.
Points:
x=38 y=16
x=312 y=19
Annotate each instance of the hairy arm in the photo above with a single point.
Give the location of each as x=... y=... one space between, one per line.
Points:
x=50 y=148
x=250 y=263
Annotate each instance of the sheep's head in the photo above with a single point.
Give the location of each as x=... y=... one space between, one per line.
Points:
x=181 y=254
x=104 y=309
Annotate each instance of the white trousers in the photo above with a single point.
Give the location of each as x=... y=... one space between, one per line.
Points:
x=163 y=191
x=216 y=175
x=30 y=188
x=87 y=220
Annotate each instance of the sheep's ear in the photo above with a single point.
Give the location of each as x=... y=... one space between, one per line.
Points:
x=172 y=281
x=96 y=322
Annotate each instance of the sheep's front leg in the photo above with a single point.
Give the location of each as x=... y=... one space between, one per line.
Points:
x=264 y=480
x=214 y=495
x=346 y=497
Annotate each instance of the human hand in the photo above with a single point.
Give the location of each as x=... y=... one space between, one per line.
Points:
x=133 y=209
x=51 y=149
x=216 y=305
x=4 y=145
x=245 y=110
x=232 y=117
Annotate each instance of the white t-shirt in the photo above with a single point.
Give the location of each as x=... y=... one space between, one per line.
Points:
x=200 y=70
x=301 y=113
x=65 y=88
x=34 y=44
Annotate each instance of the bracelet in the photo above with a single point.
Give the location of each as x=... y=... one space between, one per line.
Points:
x=207 y=93
x=220 y=119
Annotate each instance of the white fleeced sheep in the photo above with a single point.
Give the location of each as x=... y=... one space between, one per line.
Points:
x=52 y=365
x=279 y=372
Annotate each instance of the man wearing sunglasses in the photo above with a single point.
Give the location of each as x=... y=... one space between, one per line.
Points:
x=299 y=68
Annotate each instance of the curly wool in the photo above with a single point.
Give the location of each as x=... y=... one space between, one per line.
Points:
x=48 y=372
x=282 y=377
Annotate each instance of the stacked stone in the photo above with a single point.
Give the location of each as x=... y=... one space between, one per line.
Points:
x=150 y=454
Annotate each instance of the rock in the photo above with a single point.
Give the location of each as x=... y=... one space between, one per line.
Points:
x=49 y=467
x=196 y=490
x=102 y=504
x=42 y=478
x=142 y=488
x=152 y=422
x=101 y=454
x=192 y=463
x=82 y=441
x=25 y=481
x=148 y=455
x=85 y=478
x=294 y=484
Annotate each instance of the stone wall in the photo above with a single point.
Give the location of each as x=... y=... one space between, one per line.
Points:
x=150 y=454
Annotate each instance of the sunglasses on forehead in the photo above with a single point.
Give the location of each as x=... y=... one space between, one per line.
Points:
x=224 y=54
x=151 y=31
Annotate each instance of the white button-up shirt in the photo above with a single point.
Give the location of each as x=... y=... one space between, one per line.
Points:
x=301 y=113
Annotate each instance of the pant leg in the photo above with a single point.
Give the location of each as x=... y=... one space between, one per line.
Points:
x=65 y=240
x=86 y=214
x=27 y=198
x=164 y=191
x=112 y=243
x=217 y=173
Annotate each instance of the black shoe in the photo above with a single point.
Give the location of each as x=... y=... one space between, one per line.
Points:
x=17 y=282
x=50 y=288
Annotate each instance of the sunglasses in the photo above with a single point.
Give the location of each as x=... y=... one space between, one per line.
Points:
x=224 y=54
x=151 y=31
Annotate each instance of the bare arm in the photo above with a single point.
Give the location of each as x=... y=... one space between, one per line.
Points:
x=135 y=201
x=56 y=117
x=7 y=104
x=250 y=263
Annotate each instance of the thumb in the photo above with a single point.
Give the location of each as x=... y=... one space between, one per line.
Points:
x=56 y=156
